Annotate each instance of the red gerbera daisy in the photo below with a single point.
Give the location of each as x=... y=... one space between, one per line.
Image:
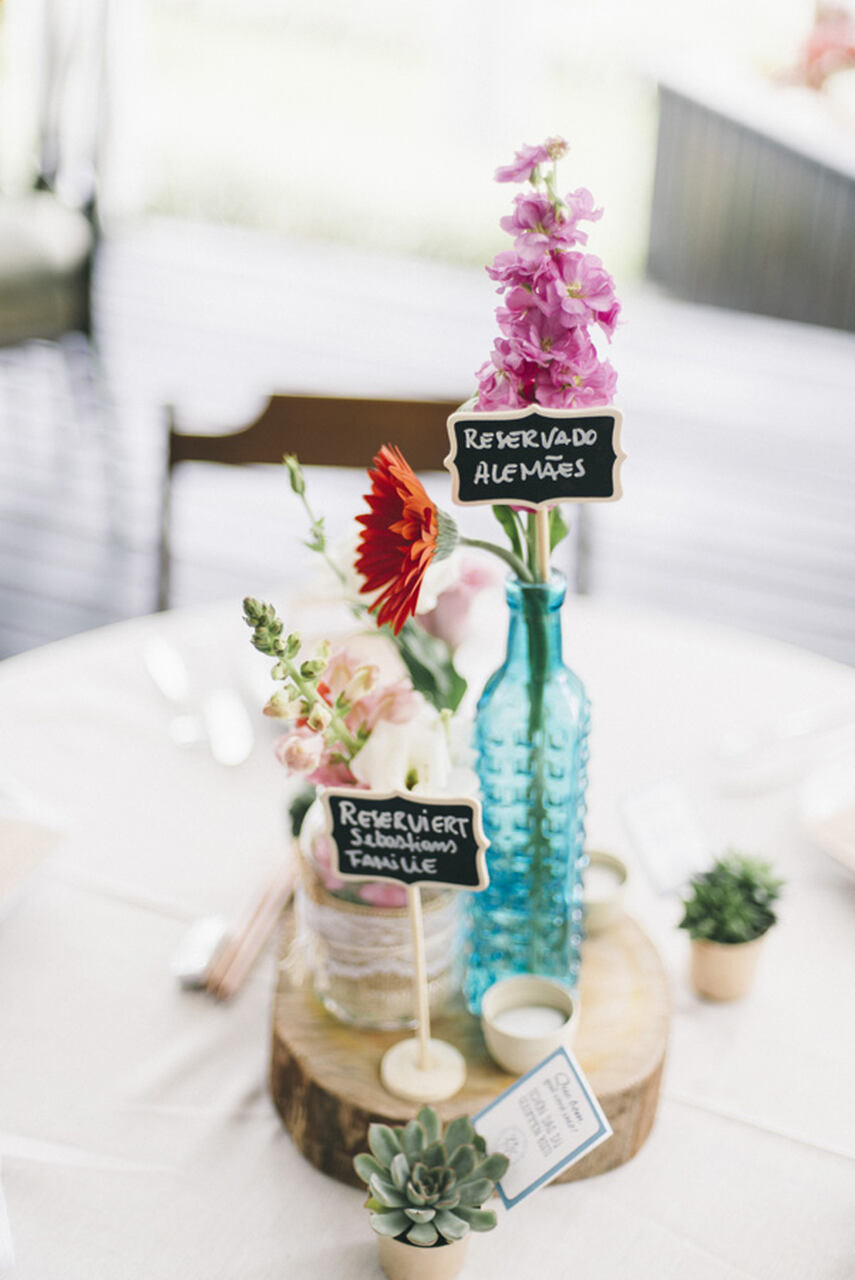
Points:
x=401 y=535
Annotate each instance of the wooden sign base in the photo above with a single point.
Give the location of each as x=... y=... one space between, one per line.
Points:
x=403 y=1074
x=325 y=1077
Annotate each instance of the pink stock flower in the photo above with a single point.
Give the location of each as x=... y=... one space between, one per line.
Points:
x=562 y=387
x=579 y=291
x=552 y=296
x=527 y=159
x=580 y=208
x=541 y=337
x=508 y=268
x=541 y=226
x=523 y=165
x=535 y=224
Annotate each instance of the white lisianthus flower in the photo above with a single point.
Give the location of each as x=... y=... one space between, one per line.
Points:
x=413 y=756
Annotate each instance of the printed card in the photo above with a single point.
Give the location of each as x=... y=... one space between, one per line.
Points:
x=545 y=1122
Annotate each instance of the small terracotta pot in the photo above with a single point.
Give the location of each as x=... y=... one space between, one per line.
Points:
x=724 y=970
x=403 y=1261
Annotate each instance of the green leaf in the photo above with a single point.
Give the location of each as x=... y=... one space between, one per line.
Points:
x=413 y=1140
x=450 y=1225
x=430 y=666
x=434 y=1155
x=386 y=1192
x=558 y=528
x=400 y=1170
x=463 y=1161
x=476 y=1191
x=423 y=1233
x=390 y=1224
x=478 y=1219
x=494 y=1167
x=420 y=1215
x=366 y=1167
x=429 y=1120
x=384 y=1144
x=509 y=521
x=299 y=807
x=461 y=1132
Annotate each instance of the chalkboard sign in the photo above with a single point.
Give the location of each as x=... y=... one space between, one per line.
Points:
x=407 y=839
x=535 y=457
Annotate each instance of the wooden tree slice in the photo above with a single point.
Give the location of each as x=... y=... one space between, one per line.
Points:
x=325 y=1077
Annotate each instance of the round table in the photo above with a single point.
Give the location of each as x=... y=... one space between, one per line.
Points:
x=137 y=1137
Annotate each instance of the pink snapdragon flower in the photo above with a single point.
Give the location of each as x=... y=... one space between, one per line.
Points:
x=300 y=751
x=396 y=703
x=313 y=752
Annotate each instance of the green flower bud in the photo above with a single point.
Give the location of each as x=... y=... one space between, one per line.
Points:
x=312 y=668
x=295 y=472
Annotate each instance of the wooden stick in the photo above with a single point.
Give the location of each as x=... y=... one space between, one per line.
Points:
x=420 y=988
x=541 y=516
x=242 y=950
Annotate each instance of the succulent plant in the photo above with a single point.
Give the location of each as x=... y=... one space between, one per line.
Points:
x=427 y=1186
x=732 y=902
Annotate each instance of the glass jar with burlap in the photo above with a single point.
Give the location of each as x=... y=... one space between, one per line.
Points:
x=356 y=943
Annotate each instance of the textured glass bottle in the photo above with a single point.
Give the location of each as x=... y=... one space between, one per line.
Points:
x=531 y=742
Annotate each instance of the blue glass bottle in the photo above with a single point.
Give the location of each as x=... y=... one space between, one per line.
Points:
x=531 y=742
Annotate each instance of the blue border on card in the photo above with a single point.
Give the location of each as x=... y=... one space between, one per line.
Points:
x=604 y=1130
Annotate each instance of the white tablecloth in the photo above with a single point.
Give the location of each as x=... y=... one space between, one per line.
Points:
x=136 y=1134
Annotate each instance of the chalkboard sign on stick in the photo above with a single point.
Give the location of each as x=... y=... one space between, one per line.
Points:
x=411 y=840
x=535 y=457
x=407 y=839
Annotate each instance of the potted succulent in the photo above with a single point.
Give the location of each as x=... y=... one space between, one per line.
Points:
x=427 y=1187
x=727 y=914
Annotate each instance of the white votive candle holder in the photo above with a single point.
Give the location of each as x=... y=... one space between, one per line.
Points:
x=525 y=1018
x=603 y=886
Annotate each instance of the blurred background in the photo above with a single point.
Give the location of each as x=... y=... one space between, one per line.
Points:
x=205 y=201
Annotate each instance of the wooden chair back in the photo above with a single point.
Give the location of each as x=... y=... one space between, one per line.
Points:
x=330 y=431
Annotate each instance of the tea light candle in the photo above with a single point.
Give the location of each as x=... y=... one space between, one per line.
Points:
x=530 y=1020
x=525 y=1018
x=603 y=883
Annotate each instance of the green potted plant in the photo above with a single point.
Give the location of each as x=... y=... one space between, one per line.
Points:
x=728 y=912
x=426 y=1188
